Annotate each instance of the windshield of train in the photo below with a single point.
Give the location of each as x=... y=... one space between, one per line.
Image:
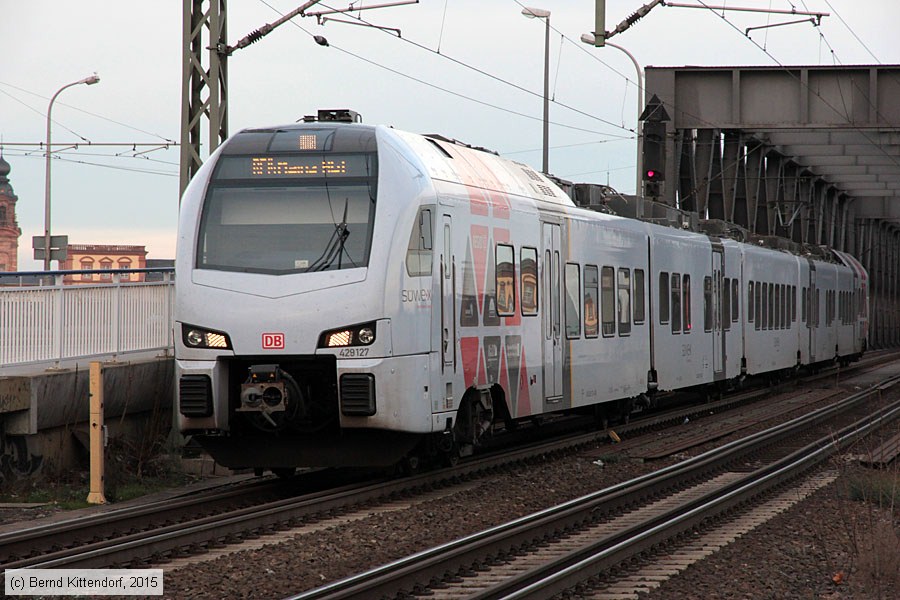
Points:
x=282 y=213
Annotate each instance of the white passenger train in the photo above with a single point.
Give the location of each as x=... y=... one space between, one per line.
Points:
x=347 y=294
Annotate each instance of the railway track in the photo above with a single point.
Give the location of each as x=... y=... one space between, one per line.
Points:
x=572 y=544
x=174 y=527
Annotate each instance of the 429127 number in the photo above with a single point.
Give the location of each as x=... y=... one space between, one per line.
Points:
x=353 y=352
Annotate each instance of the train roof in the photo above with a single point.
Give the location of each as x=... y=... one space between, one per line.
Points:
x=443 y=159
x=451 y=161
x=343 y=137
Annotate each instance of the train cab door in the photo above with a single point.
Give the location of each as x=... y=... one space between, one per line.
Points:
x=448 y=298
x=812 y=315
x=717 y=330
x=550 y=318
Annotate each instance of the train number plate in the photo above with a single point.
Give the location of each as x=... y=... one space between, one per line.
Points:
x=273 y=341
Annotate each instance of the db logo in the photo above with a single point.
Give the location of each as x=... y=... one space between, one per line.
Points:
x=273 y=341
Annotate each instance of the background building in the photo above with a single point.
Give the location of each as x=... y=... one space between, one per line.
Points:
x=9 y=227
x=103 y=256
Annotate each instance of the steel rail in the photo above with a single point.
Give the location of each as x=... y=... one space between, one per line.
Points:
x=28 y=539
x=210 y=529
x=565 y=573
x=22 y=544
x=412 y=573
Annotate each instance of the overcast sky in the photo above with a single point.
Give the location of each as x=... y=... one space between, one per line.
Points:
x=459 y=70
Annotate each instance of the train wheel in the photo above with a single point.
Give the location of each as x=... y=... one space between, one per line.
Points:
x=451 y=457
x=410 y=465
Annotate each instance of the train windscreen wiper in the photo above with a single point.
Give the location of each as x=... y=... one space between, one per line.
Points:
x=335 y=248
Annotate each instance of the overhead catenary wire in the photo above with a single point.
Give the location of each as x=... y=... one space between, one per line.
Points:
x=617 y=139
x=22 y=154
x=814 y=92
x=459 y=94
x=494 y=77
x=811 y=90
x=31 y=108
x=850 y=29
x=474 y=69
x=81 y=110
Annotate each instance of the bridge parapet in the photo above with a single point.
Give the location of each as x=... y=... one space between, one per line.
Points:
x=58 y=326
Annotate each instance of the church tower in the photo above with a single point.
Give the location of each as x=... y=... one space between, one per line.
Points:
x=9 y=228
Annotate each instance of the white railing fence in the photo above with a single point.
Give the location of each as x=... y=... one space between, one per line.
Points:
x=58 y=322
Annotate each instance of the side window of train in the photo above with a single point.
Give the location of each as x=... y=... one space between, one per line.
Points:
x=735 y=300
x=638 y=300
x=686 y=303
x=608 y=301
x=757 y=300
x=529 y=286
x=573 y=301
x=707 y=304
x=663 y=298
x=591 y=301
x=624 y=290
x=676 y=302
x=418 y=252
x=765 y=306
x=506 y=281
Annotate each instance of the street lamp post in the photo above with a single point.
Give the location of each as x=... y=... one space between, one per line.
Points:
x=538 y=13
x=87 y=81
x=589 y=38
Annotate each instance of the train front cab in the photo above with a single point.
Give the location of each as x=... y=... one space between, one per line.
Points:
x=306 y=366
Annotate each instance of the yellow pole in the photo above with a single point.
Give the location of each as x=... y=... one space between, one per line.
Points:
x=96 y=417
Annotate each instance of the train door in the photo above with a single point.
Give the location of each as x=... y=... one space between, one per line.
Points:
x=812 y=313
x=853 y=311
x=718 y=333
x=553 y=356
x=448 y=299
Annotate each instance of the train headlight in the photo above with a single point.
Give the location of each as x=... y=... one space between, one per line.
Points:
x=366 y=335
x=356 y=335
x=197 y=337
x=339 y=338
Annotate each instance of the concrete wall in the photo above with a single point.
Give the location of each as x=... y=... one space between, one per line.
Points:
x=43 y=417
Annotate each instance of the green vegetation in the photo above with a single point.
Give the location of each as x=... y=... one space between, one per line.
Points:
x=880 y=487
